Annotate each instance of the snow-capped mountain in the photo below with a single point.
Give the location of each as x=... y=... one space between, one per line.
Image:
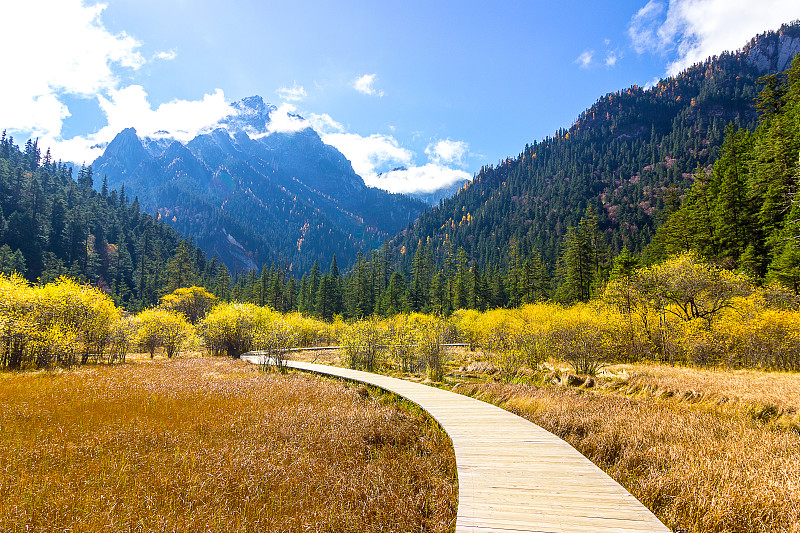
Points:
x=254 y=196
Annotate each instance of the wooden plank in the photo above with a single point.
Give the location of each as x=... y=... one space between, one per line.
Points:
x=513 y=476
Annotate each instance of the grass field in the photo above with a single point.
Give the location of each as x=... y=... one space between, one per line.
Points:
x=753 y=387
x=708 y=451
x=210 y=444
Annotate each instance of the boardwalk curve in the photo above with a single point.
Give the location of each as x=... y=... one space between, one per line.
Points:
x=513 y=476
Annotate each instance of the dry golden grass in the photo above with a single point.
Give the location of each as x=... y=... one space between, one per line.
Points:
x=208 y=444
x=698 y=467
x=781 y=389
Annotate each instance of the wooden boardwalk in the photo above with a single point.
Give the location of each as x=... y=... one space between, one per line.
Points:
x=514 y=476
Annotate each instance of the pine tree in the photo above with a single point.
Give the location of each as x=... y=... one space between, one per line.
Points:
x=324 y=300
x=461 y=283
x=336 y=280
x=581 y=262
x=394 y=298
x=180 y=271
x=731 y=215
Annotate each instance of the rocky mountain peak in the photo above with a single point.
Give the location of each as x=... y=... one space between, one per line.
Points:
x=773 y=51
x=251 y=114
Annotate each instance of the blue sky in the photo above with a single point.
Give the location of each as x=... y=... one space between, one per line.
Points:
x=439 y=88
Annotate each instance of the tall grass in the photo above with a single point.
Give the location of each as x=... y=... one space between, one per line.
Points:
x=748 y=387
x=698 y=466
x=206 y=444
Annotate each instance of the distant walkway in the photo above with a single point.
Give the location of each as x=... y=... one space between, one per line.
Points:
x=513 y=476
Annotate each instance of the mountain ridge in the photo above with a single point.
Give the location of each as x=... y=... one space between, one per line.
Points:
x=625 y=159
x=248 y=182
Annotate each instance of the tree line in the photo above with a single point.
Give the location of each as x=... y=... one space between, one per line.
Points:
x=744 y=212
x=625 y=165
x=53 y=224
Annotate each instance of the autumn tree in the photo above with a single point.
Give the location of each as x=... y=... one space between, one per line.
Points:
x=194 y=303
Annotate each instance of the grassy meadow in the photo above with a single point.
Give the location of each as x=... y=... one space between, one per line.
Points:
x=705 y=450
x=708 y=450
x=681 y=381
x=212 y=444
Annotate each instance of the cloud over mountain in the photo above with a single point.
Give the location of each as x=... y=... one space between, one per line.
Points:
x=697 y=29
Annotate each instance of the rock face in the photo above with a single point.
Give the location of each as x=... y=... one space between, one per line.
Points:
x=253 y=196
x=770 y=55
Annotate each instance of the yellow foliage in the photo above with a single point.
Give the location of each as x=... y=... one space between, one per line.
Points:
x=310 y=331
x=364 y=342
x=161 y=328
x=232 y=327
x=192 y=302
x=53 y=324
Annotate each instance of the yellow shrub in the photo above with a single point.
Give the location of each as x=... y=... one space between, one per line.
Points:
x=364 y=342
x=232 y=327
x=309 y=331
x=49 y=325
x=401 y=340
x=194 y=303
x=161 y=328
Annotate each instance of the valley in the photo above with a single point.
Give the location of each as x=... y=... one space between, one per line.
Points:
x=630 y=283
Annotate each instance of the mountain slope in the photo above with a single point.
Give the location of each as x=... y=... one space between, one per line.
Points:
x=51 y=226
x=253 y=196
x=626 y=158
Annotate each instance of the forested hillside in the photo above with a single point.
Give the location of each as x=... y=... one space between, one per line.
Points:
x=744 y=213
x=52 y=225
x=713 y=152
x=624 y=161
x=254 y=196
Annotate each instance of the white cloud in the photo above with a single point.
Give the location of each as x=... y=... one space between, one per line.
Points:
x=295 y=93
x=424 y=179
x=383 y=163
x=286 y=120
x=365 y=85
x=585 y=59
x=447 y=152
x=129 y=107
x=83 y=63
x=179 y=119
x=643 y=27
x=324 y=124
x=370 y=155
x=697 y=29
x=611 y=58
x=166 y=55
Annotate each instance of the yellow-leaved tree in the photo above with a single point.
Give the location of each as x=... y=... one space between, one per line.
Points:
x=192 y=302
x=161 y=328
x=233 y=328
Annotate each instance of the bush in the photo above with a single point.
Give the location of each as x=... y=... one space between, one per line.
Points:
x=53 y=324
x=232 y=328
x=364 y=342
x=401 y=340
x=275 y=339
x=431 y=332
x=121 y=338
x=194 y=303
x=581 y=344
x=161 y=328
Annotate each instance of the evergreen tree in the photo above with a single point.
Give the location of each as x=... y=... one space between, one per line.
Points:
x=325 y=304
x=336 y=287
x=581 y=261
x=624 y=265
x=394 y=299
